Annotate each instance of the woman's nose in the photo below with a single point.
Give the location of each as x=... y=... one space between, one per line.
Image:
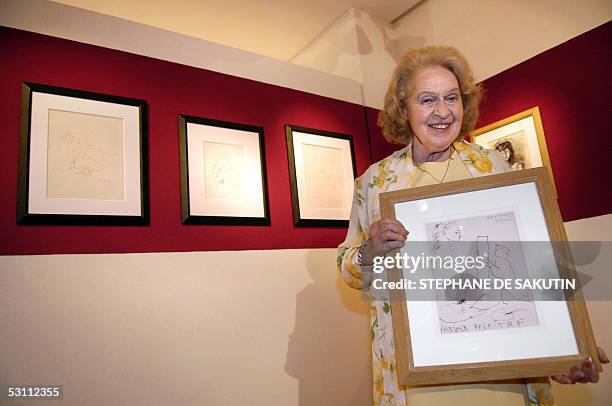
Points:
x=441 y=109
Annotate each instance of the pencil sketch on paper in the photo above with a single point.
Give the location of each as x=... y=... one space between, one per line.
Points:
x=85 y=156
x=224 y=168
x=494 y=238
x=324 y=177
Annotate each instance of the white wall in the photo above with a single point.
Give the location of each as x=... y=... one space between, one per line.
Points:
x=353 y=59
x=494 y=35
x=217 y=328
x=210 y=328
x=80 y=25
x=335 y=50
x=598 y=229
x=357 y=47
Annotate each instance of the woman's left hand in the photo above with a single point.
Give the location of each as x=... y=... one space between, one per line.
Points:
x=586 y=373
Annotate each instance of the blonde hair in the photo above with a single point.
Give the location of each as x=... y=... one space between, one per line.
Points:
x=393 y=119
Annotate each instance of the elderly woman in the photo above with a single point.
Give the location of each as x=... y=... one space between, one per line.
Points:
x=431 y=104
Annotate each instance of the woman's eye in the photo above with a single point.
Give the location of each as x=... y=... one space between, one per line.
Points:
x=452 y=98
x=427 y=100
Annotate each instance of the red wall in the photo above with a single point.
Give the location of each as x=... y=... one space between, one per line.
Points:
x=381 y=148
x=571 y=85
x=169 y=89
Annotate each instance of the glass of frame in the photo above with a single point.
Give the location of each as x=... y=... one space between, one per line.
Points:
x=81 y=158
x=553 y=336
x=223 y=173
x=322 y=174
x=519 y=138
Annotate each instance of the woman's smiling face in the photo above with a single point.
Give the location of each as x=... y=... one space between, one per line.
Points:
x=434 y=108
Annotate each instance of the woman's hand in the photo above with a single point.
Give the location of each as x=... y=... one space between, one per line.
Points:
x=586 y=373
x=386 y=234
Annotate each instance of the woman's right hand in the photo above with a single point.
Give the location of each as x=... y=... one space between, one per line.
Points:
x=386 y=234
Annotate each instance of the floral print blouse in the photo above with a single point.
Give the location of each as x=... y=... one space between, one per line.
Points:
x=396 y=172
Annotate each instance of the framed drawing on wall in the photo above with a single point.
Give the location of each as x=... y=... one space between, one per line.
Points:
x=82 y=158
x=223 y=173
x=512 y=223
x=519 y=138
x=322 y=173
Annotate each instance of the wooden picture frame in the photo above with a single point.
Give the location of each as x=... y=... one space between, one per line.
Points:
x=82 y=158
x=562 y=339
x=322 y=174
x=223 y=173
x=520 y=139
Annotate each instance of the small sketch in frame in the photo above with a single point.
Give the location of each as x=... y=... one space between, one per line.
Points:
x=322 y=174
x=223 y=173
x=519 y=139
x=82 y=158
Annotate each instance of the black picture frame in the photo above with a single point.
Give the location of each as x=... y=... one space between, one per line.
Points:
x=187 y=217
x=25 y=215
x=298 y=219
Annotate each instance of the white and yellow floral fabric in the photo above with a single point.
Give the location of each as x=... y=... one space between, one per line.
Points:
x=399 y=172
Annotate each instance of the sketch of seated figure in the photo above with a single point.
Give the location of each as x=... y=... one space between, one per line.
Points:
x=501 y=266
x=470 y=308
x=458 y=304
x=447 y=242
x=224 y=170
x=80 y=154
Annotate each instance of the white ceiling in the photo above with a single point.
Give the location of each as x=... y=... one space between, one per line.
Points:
x=275 y=28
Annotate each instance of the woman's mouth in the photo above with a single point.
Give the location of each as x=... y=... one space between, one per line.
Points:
x=440 y=126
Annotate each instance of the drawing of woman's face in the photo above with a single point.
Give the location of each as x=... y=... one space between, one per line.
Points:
x=452 y=232
x=506 y=150
x=505 y=153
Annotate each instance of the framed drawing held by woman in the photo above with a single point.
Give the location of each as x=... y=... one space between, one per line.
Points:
x=486 y=334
